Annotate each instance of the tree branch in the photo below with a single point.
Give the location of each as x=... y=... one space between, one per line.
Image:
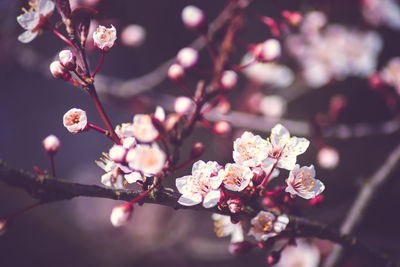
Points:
x=50 y=189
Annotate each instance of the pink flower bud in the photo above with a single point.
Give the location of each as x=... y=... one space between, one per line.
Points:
x=328 y=157
x=176 y=73
x=120 y=215
x=192 y=17
x=67 y=59
x=229 y=79
x=241 y=248
x=222 y=128
x=133 y=35
x=59 y=71
x=117 y=153
x=51 y=144
x=75 y=120
x=183 y=105
x=293 y=18
x=274 y=257
x=268 y=50
x=187 y=57
x=235 y=205
x=197 y=150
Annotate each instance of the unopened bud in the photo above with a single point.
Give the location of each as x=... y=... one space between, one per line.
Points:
x=187 y=57
x=59 y=71
x=133 y=35
x=183 y=105
x=67 y=59
x=224 y=106
x=192 y=17
x=274 y=257
x=51 y=144
x=171 y=121
x=176 y=73
x=117 y=153
x=120 y=215
x=235 y=205
x=241 y=248
x=222 y=128
x=328 y=157
x=197 y=150
x=273 y=106
x=293 y=18
x=3 y=225
x=229 y=79
x=268 y=50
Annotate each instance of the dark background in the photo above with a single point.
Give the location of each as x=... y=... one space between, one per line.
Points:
x=78 y=232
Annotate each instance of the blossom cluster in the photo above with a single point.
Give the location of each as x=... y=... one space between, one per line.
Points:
x=138 y=156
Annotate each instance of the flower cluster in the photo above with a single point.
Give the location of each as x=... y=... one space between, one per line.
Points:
x=138 y=156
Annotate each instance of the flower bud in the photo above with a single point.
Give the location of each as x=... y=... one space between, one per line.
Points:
x=59 y=71
x=67 y=59
x=222 y=128
x=273 y=106
x=176 y=73
x=117 y=153
x=235 y=205
x=268 y=50
x=183 y=105
x=229 y=79
x=3 y=225
x=224 y=106
x=120 y=215
x=51 y=144
x=328 y=157
x=197 y=150
x=133 y=35
x=293 y=18
x=187 y=57
x=104 y=38
x=75 y=120
x=241 y=248
x=274 y=257
x=192 y=17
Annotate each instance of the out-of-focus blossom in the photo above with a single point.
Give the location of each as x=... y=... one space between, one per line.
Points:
x=263 y=225
x=51 y=144
x=250 y=150
x=224 y=227
x=75 y=120
x=273 y=106
x=268 y=50
x=301 y=255
x=104 y=38
x=333 y=52
x=133 y=35
x=391 y=73
x=124 y=130
x=187 y=57
x=143 y=128
x=59 y=71
x=117 y=153
x=222 y=128
x=328 y=157
x=283 y=148
x=149 y=159
x=301 y=182
x=382 y=12
x=176 y=72
x=120 y=215
x=114 y=172
x=268 y=73
x=229 y=79
x=34 y=19
x=236 y=177
x=202 y=186
x=183 y=105
x=192 y=17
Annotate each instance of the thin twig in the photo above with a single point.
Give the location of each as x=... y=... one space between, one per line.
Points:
x=368 y=192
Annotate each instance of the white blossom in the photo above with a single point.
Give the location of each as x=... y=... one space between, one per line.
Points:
x=224 y=227
x=133 y=35
x=236 y=177
x=283 y=148
x=104 y=38
x=192 y=17
x=114 y=172
x=51 y=143
x=183 y=105
x=120 y=215
x=301 y=255
x=149 y=159
x=187 y=57
x=202 y=186
x=250 y=150
x=391 y=73
x=263 y=226
x=34 y=18
x=328 y=157
x=229 y=79
x=117 y=153
x=75 y=120
x=143 y=128
x=301 y=182
x=268 y=50
x=382 y=12
x=124 y=130
x=67 y=59
x=273 y=106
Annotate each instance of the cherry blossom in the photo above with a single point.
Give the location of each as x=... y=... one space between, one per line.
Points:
x=143 y=128
x=149 y=159
x=202 y=186
x=75 y=120
x=114 y=172
x=301 y=255
x=236 y=177
x=301 y=182
x=120 y=215
x=224 y=227
x=266 y=225
x=250 y=150
x=104 y=38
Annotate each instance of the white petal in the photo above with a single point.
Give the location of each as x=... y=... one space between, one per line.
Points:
x=190 y=200
x=45 y=7
x=133 y=177
x=237 y=234
x=216 y=181
x=159 y=113
x=211 y=199
x=287 y=163
x=28 y=20
x=106 y=179
x=181 y=182
x=279 y=132
x=300 y=146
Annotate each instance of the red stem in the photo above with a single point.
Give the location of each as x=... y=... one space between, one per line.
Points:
x=15 y=214
x=62 y=37
x=210 y=47
x=99 y=65
x=53 y=168
x=266 y=178
x=145 y=193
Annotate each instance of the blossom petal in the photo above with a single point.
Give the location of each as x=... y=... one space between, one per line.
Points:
x=159 y=114
x=133 y=177
x=190 y=200
x=278 y=133
x=211 y=199
x=45 y=7
x=181 y=182
x=106 y=179
x=28 y=20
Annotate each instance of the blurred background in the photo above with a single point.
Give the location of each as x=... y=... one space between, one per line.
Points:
x=78 y=232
